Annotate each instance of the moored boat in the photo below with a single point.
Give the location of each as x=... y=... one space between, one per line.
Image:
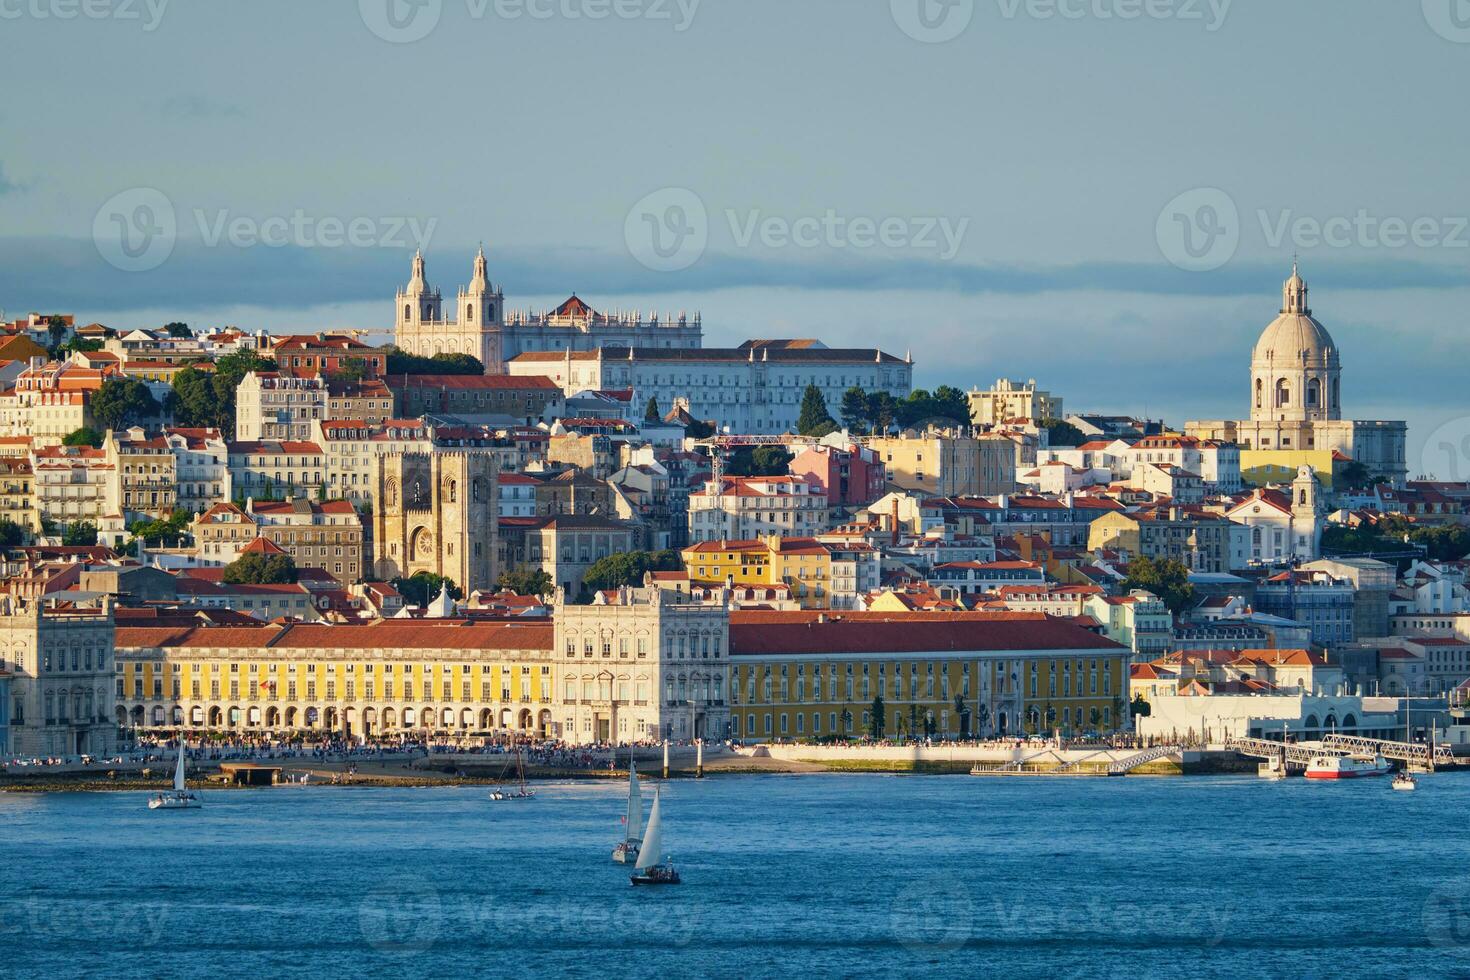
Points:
x=626 y=852
x=178 y=798
x=651 y=868
x=1347 y=766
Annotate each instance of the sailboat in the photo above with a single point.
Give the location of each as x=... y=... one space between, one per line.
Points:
x=627 y=849
x=500 y=793
x=651 y=869
x=178 y=798
x=1404 y=782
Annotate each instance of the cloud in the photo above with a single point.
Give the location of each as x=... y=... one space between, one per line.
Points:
x=8 y=186
x=60 y=273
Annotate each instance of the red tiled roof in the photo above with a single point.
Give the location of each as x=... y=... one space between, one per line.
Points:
x=440 y=634
x=778 y=633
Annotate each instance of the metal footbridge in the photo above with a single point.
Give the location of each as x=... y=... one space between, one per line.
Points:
x=1301 y=754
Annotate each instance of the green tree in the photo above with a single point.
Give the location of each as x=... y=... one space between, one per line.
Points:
x=650 y=411
x=177 y=329
x=1167 y=578
x=169 y=531
x=78 y=344
x=80 y=533
x=351 y=369
x=760 y=461
x=526 y=581
x=854 y=409
x=1062 y=433
x=421 y=588
x=882 y=410
x=85 y=436
x=1140 y=708
x=208 y=400
x=257 y=569
x=1351 y=474
x=399 y=361
x=12 y=535
x=628 y=568
x=699 y=429
x=814 y=414
x=56 y=330
x=876 y=717
x=123 y=402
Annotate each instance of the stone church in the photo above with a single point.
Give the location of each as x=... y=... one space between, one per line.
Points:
x=1296 y=405
x=436 y=512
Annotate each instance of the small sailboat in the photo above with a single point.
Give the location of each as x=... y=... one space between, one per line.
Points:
x=651 y=869
x=1404 y=782
x=627 y=850
x=178 y=798
x=522 y=793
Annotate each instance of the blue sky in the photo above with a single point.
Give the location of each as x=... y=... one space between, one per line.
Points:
x=1048 y=140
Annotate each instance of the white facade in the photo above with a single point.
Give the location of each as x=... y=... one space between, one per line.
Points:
x=61 y=688
x=754 y=389
x=1284 y=524
x=741 y=508
x=202 y=466
x=269 y=405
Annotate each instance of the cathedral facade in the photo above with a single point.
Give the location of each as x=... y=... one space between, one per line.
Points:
x=436 y=512
x=1296 y=405
x=479 y=325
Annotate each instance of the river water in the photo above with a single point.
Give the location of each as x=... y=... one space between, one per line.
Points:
x=849 y=875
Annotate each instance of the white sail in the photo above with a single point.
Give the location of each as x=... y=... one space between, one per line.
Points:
x=651 y=852
x=635 y=805
x=179 y=769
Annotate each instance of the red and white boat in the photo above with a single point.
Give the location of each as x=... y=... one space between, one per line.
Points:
x=1347 y=766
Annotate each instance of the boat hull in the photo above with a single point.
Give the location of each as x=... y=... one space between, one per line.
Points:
x=625 y=854
x=671 y=878
x=186 y=801
x=1347 y=773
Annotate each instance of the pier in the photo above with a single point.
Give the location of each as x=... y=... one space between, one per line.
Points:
x=1300 y=754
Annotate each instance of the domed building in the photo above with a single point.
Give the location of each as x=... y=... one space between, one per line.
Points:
x=1296 y=405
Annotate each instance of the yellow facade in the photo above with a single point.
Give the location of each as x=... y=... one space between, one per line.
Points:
x=804 y=565
x=744 y=562
x=1260 y=467
x=817 y=697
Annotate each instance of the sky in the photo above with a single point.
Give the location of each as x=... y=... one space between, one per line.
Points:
x=1102 y=195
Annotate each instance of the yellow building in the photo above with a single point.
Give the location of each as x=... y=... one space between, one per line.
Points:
x=804 y=565
x=804 y=675
x=1264 y=467
x=17 y=502
x=947 y=464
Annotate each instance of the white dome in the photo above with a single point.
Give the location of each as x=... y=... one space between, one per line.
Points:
x=1295 y=338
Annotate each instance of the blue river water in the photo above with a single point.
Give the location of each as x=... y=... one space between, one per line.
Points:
x=784 y=875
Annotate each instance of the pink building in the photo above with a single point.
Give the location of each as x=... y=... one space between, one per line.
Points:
x=851 y=477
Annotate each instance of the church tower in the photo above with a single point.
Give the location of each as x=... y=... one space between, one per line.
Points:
x=418 y=305
x=480 y=313
x=1295 y=371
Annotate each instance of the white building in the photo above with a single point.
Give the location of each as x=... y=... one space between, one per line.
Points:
x=1284 y=524
x=1007 y=400
x=62 y=676
x=738 y=508
x=756 y=388
x=202 y=465
x=271 y=405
